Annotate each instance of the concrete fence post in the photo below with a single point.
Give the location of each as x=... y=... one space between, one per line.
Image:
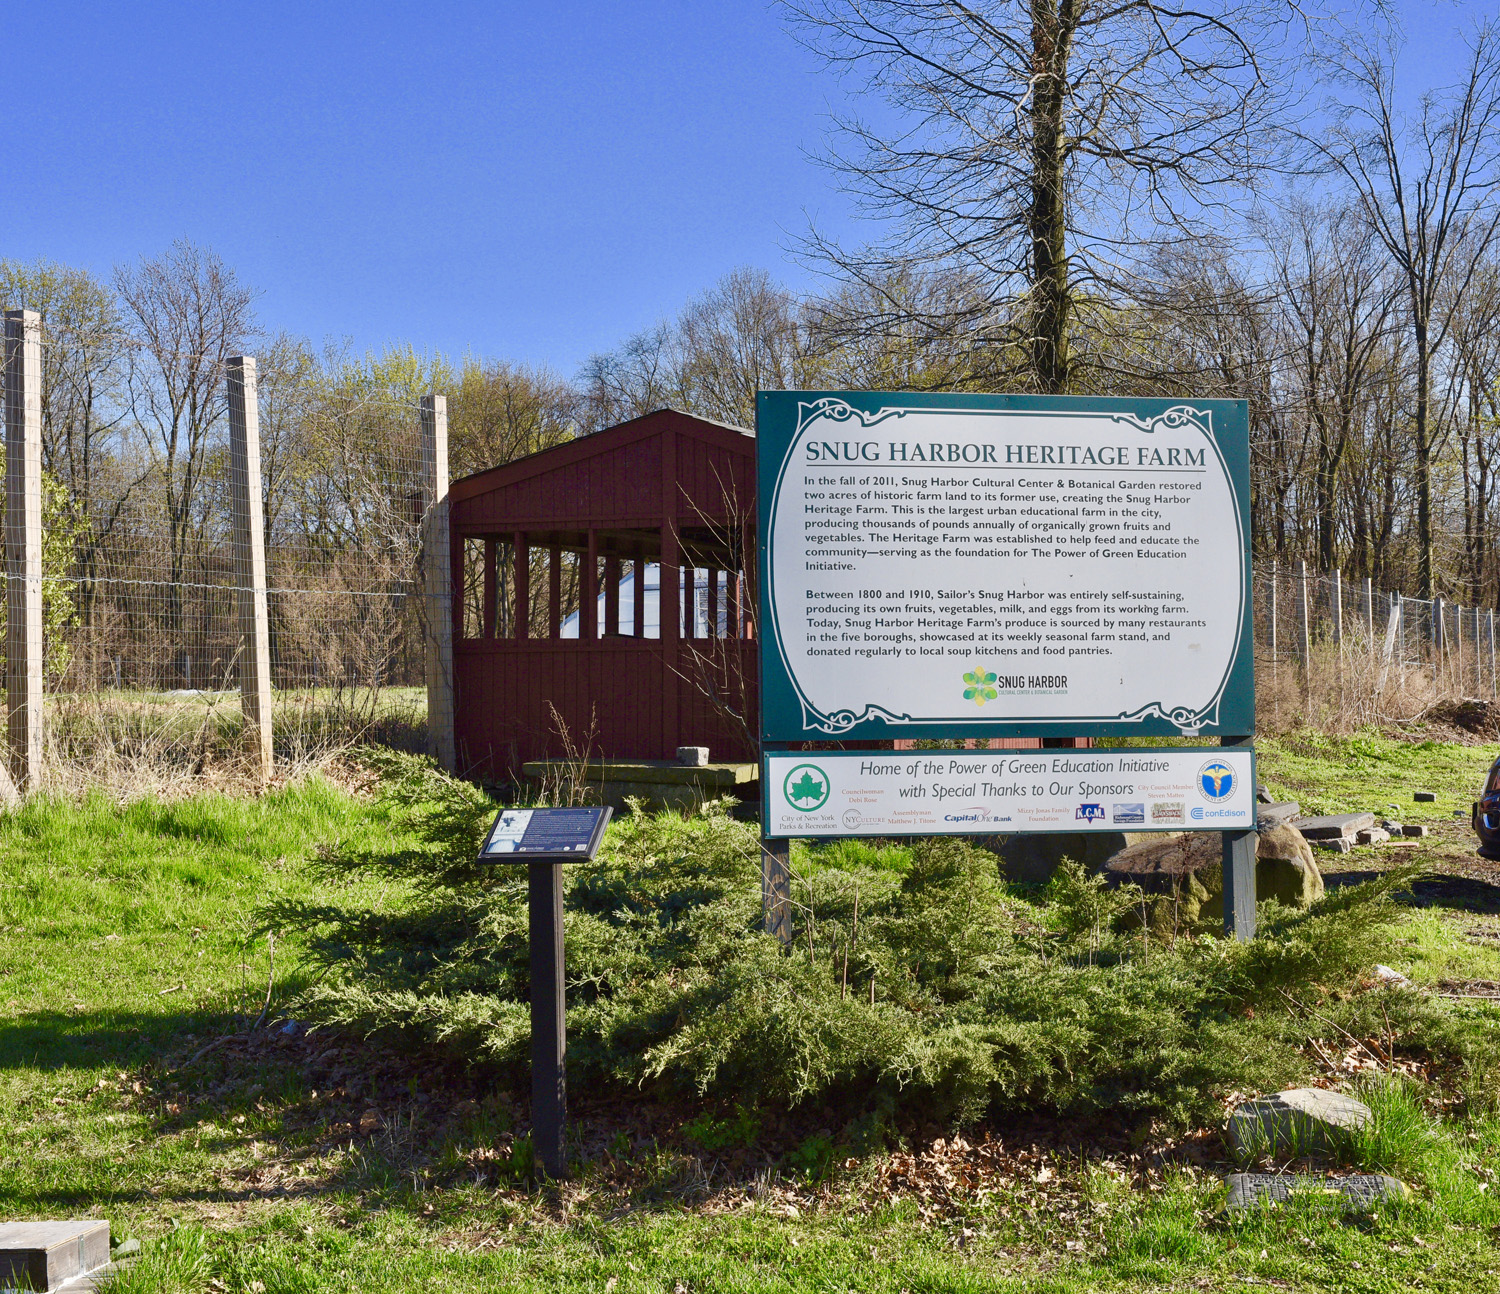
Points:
x=1370 y=615
x=437 y=582
x=1306 y=629
x=250 y=560
x=23 y=548
x=1336 y=608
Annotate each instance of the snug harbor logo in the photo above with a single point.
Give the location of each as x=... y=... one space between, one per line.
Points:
x=806 y=787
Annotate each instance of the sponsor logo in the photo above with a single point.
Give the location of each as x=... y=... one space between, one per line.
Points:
x=1089 y=813
x=1168 y=811
x=1216 y=781
x=854 y=819
x=1127 y=813
x=1200 y=815
x=977 y=814
x=806 y=787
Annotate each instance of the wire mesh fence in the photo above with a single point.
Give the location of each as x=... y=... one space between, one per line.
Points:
x=147 y=577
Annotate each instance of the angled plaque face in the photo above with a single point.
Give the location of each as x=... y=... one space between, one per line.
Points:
x=545 y=835
x=969 y=566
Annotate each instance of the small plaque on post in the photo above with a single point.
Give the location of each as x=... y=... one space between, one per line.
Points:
x=545 y=835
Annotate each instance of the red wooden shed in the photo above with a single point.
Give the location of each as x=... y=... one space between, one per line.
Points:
x=555 y=625
x=558 y=637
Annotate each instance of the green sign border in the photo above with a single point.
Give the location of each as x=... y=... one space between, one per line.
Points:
x=787 y=717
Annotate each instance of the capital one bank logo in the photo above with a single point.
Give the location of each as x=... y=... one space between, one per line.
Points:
x=1216 y=781
x=806 y=787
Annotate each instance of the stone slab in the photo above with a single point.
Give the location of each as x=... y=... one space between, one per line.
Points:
x=1416 y=830
x=1372 y=836
x=1334 y=825
x=1356 y=1194
x=1268 y=815
x=1424 y=797
x=1337 y=845
x=46 y=1255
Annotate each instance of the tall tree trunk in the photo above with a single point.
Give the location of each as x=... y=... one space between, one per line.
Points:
x=1052 y=23
x=1424 y=466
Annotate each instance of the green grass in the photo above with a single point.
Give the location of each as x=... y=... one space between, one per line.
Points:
x=1370 y=771
x=123 y=954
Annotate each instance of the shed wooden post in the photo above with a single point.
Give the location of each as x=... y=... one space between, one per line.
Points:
x=250 y=560
x=638 y=584
x=588 y=591
x=611 y=594
x=554 y=591
x=23 y=548
x=437 y=562
x=521 y=553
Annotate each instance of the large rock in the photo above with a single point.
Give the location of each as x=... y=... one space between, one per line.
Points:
x=1300 y=1121
x=1184 y=875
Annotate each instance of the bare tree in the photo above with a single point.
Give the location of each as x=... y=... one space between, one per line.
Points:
x=1427 y=185
x=1049 y=146
x=189 y=313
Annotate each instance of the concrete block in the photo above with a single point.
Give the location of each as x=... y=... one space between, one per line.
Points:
x=44 y=1255
x=692 y=756
x=1372 y=836
x=1268 y=815
x=1357 y=1194
x=1415 y=831
x=1335 y=845
x=1334 y=825
x=1425 y=797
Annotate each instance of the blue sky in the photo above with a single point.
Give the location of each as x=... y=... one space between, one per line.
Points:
x=533 y=181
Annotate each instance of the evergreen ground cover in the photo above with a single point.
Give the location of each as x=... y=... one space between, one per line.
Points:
x=131 y=970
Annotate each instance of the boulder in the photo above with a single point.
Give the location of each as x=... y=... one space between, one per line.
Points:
x=1031 y=860
x=1300 y=1121
x=1185 y=874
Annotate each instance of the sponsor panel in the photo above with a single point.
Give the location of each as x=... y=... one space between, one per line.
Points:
x=984 y=792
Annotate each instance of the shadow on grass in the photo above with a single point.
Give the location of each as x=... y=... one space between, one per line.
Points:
x=1463 y=893
x=51 y=1040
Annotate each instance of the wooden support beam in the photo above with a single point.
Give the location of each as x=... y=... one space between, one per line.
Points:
x=521 y=554
x=612 y=595
x=554 y=591
x=638 y=582
x=490 y=627
x=588 y=591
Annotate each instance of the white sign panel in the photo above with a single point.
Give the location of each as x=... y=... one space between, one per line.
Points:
x=950 y=568
x=982 y=792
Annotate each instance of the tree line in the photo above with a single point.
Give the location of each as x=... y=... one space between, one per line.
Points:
x=1238 y=200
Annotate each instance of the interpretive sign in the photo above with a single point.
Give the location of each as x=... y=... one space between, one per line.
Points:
x=1000 y=792
x=969 y=566
x=545 y=835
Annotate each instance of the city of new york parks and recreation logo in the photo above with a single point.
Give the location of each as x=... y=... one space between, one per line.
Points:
x=1216 y=781
x=806 y=787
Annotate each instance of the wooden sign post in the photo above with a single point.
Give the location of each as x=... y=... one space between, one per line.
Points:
x=545 y=839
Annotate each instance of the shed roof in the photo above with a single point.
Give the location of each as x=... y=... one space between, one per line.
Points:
x=664 y=463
